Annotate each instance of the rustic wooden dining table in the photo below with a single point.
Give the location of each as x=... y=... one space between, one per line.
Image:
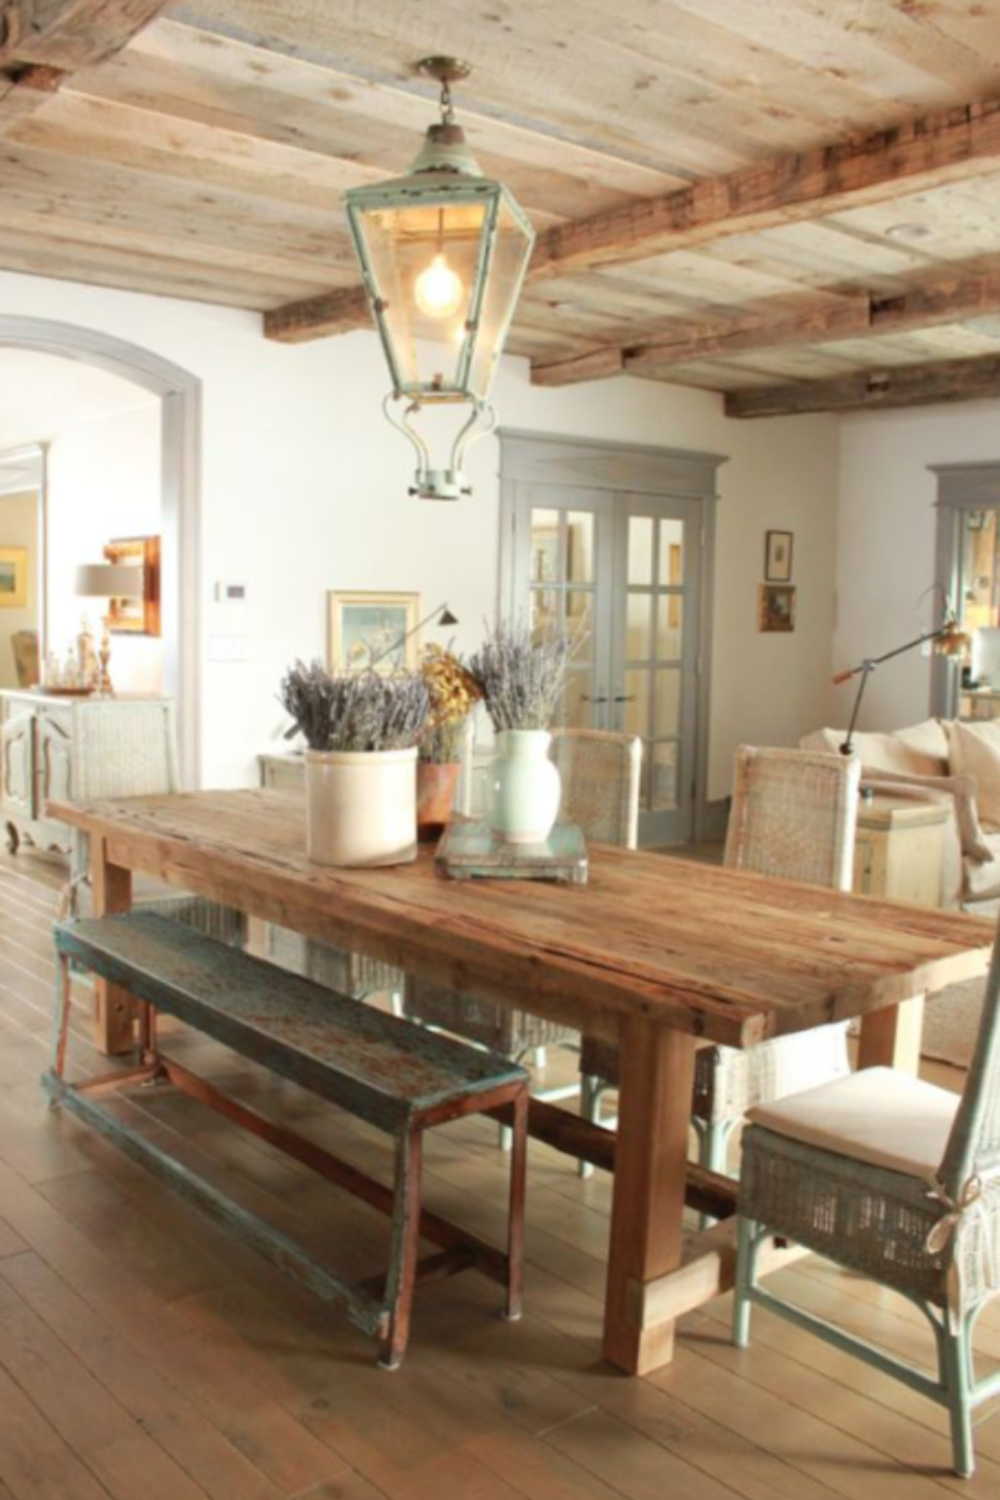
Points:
x=660 y=954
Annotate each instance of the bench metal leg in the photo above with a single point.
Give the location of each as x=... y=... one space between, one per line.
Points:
x=64 y=1004
x=402 y=1278
x=515 y=1223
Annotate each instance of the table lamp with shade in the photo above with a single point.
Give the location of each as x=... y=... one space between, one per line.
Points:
x=106 y=581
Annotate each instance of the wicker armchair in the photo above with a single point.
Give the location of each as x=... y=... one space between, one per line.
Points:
x=899 y=1181
x=600 y=791
x=793 y=816
x=133 y=753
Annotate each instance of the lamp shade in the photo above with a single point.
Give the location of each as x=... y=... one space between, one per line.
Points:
x=109 y=581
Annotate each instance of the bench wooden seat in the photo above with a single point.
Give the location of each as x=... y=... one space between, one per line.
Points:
x=381 y=1068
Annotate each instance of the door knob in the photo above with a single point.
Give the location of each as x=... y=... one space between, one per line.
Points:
x=624 y=697
x=586 y=698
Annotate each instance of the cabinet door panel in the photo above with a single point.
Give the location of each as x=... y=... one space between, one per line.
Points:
x=55 y=781
x=18 y=765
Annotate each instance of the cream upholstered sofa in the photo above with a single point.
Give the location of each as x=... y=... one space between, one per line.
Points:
x=957 y=765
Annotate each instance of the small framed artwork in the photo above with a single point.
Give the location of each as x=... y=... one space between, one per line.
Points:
x=136 y=616
x=372 y=630
x=776 y=607
x=13 y=577
x=778 y=557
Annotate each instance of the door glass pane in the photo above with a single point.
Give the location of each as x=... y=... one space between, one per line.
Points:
x=640 y=549
x=544 y=546
x=580 y=625
x=664 y=787
x=671 y=553
x=636 y=705
x=544 y=611
x=639 y=627
x=669 y=608
x=580 y=546
x=667 y=702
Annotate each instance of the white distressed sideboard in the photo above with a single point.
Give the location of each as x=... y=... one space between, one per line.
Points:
x=54 y=747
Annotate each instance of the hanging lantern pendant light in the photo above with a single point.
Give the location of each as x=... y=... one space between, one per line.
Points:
x=443 y=254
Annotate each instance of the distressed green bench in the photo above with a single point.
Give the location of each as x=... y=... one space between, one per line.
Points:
x=384 y=1070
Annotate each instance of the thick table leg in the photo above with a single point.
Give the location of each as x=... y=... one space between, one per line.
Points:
x=654 y=1113
x=114 y=1008
x=890 y=1038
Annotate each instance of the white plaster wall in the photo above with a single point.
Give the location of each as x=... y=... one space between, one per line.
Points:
x=304 y=489
x=885 y=557
x=103 y=483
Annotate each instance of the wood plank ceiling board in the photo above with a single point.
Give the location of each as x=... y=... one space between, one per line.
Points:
x=208 y=158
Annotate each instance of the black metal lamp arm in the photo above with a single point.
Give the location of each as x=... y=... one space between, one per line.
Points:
x=865 y=669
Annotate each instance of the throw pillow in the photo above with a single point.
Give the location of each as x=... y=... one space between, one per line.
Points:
x=975 y=751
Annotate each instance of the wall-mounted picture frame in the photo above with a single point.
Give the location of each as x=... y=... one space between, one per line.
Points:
x=136 y=616
x=776 y=607
x=372 y=629
x=778 y=556
x=13 y=577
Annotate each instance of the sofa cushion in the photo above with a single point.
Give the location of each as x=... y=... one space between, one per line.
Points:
x=879 y=1115
x=921 y=750
x=975 y=751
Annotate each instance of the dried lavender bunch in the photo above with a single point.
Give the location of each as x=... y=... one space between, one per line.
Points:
x=521 y=678
x=362 y=711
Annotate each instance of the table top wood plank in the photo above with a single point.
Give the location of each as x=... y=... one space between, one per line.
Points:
x=726 y=955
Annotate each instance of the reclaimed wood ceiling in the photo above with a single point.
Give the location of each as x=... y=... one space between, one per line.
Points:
x=795 y=202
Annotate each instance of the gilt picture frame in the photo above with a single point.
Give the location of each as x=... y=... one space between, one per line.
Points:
x=13 y=577
x=776 y=607
x=136 y=616
x=368 y=629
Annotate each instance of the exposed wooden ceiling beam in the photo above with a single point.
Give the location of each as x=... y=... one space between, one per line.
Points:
x=43 y=41
x=874 y=390
x=316 y=317
x=926 y=153
x=929 y=299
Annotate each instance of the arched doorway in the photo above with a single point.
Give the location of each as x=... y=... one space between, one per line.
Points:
x=180 y=404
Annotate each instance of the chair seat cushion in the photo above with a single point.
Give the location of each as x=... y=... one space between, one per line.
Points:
x=877 y=1115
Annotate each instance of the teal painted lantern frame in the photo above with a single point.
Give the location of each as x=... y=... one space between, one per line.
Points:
x=443 y=254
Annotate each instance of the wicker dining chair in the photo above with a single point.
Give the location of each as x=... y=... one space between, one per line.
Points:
x=897 y=1180
x=793 y=816
x=132 y=752
x=600 y=791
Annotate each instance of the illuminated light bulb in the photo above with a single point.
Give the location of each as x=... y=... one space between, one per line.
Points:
x=438 y=290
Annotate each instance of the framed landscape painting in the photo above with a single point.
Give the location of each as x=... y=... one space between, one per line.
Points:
x=13 y=577
x=372 y=630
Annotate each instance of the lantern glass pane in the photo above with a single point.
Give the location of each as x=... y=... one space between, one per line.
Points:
x=511 y=250
x=424 y=257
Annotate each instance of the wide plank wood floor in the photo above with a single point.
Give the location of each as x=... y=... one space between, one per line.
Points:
x=144 y=1355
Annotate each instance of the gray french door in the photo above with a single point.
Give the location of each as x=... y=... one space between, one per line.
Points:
x=620 y=572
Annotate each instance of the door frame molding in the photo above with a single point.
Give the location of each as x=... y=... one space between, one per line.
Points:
x=180 y=479
x=528 y=457
x=960 y=487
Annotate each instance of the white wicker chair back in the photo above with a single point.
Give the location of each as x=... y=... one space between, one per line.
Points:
x=794 y=815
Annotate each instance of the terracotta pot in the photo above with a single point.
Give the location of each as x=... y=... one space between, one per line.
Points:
x=361 y=808
x=435 y=798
